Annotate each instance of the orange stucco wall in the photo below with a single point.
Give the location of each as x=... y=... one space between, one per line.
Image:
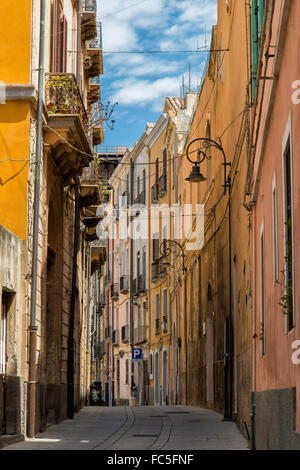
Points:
x=15 y=26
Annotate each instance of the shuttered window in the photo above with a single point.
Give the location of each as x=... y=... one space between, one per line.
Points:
x=165 y=307
x=157 y=313
x=257 y=19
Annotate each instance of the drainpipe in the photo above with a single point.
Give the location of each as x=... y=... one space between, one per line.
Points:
x=131 y=260
x=78 y=44
x=70 y=403
x=228 y=369
x=32 y=373
x=252 y=422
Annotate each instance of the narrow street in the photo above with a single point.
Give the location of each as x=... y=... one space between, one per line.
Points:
x=139 y=428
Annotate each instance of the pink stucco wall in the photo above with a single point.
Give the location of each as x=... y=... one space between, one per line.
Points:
x=275 y=370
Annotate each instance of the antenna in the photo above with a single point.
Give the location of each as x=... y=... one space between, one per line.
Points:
x=189 y=77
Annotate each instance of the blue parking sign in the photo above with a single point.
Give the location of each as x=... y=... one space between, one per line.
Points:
x=137 y=354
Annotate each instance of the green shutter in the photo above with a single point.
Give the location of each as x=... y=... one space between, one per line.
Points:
x=254 y=43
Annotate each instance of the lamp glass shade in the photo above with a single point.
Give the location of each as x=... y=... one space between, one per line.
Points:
x=196 y=176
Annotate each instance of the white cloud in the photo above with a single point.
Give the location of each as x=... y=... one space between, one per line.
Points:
x=142 y=80
x=141 y=92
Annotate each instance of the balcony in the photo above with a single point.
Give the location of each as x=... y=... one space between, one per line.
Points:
x=134 y=287
x=90 y=191
x=99 y=309
x=114 y=291
x=93 y=93
x=115 y=338
x=154 y=194
x=100 y=349
x=165 y=324
x=98 y=136
x=68 y=120
x=88 y=19
x=93 y=59
x=162 y=185
x=141 y=284
x=107 y=332
x=157 y=326
x=139 y=335
x=125 y=334
x=158 y=271
x=124 y=284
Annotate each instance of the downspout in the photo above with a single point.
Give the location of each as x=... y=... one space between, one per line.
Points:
x=78 y=77
x=32 y=373
x=72 y=307
x=131 y=260
x=70 y=374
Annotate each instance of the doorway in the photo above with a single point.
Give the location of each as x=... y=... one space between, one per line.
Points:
x=209 y=348
x=165 y=378
x=156 y=379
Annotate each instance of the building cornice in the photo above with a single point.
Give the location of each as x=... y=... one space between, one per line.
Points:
x=20 y=93
x=157 y=130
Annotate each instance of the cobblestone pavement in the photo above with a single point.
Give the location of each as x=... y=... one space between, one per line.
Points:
x=139 y=428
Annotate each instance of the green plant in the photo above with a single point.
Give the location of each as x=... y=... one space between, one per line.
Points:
x=262 y=332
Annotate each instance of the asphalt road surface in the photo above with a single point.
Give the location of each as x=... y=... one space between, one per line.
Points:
x=139 y=428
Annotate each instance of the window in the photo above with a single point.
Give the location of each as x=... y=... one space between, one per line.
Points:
x=288 y=300
x=157 y=170
x=164 y=238
x=127 y=372
x=117 y=318
x=275 y=229
x=144 y=266
x=257 y=18
x=262 y=292
x=144 y=186
x=138 y=263
x=165 y=169
x=157 y=314
x=155 y=246
x=151 y=365
x=165 y=314
x=58 y=46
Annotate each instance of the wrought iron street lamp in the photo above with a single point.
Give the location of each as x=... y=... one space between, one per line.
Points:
x=202 y=147
x=165 y=251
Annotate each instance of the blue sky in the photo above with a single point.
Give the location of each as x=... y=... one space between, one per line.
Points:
x=140 y=82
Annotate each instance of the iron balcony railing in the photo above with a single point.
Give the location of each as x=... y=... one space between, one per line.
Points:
x=102 y=348
x=141 y=198
x=154 y=193
x=125 y=334
x=141 y=284
x=139 y=334
x=158 y=271
x=165 y=324
x=97 y=41
x=63 y=97
x=89 y=5
x=114 y=291
x=107 y=332
x=124 y=284
x=162 y=184
x=134 y=286
x=157 y=326
x=115 y=337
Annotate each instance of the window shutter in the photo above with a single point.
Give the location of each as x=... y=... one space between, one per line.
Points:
x=165 y=303
x=157 y=307
x=254 y=43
